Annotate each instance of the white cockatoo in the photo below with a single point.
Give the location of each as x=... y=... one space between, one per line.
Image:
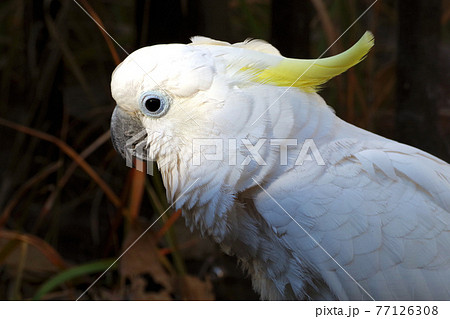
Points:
x=313 y=207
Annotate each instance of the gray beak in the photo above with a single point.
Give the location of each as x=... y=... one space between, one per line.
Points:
x=127 y=132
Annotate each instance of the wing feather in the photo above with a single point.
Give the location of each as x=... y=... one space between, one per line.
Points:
x=395 y=224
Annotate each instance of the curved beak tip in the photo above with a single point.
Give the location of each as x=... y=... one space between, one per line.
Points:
x=117 y=132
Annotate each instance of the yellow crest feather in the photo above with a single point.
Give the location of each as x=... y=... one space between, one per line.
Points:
x=309 y=74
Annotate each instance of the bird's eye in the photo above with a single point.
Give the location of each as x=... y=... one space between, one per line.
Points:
x=154 y=104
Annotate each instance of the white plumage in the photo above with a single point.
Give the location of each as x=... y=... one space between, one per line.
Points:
x=379 y=208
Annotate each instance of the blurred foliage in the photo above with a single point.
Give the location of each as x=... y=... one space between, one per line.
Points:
x=68 y=204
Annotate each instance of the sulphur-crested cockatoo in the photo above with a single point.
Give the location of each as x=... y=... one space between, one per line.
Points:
x=312 y=206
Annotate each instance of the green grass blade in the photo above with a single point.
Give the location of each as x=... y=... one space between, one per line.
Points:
x=72 y=273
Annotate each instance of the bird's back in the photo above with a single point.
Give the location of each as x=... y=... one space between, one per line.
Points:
x=373 y=222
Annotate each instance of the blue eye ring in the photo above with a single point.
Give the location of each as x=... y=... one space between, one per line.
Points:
x=154 y=104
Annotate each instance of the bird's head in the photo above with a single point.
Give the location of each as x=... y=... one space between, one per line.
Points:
x=170 y=95
x=161 y=95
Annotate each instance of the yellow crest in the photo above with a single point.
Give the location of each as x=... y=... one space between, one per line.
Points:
x=309 y=74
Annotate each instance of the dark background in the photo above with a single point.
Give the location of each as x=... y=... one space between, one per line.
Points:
x=68 y=204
